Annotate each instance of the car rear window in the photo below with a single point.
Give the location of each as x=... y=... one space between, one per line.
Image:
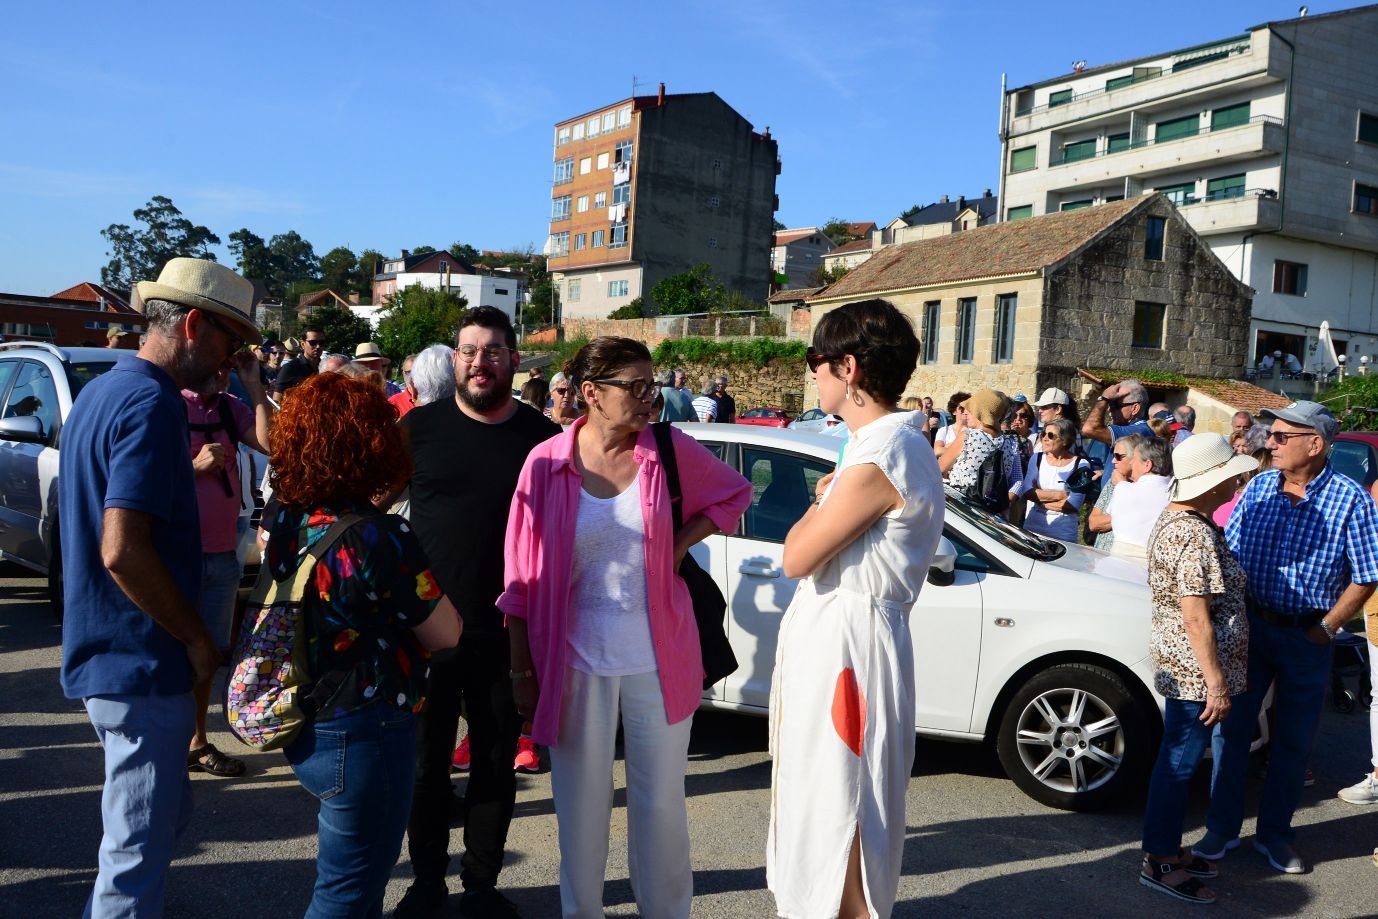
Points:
x=79 y=373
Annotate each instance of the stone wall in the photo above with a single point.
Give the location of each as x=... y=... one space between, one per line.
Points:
x=779 y=384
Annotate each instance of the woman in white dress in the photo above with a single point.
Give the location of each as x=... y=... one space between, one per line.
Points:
x=842 y=702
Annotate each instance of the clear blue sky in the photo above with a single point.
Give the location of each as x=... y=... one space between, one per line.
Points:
x=398 y=125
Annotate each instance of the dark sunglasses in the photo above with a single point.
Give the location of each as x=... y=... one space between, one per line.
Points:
x=560 y=390
x=235 y=338
x=1049 y=435
x=816 y=360
x=1118 y=457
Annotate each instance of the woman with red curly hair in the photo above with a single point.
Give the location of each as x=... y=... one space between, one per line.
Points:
x=372 y=615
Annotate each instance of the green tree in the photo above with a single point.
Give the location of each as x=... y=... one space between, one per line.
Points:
x=342 y=329
x=628 y=311
x=418 y=317
x=836 y=230
x=422 y=250
x=293 y=260
x=370 y=263
x=822 y=277
x=465 y=252
x=339 y=270
x=779 y=226
x=251 y=255
x=692 y=291
x=138 y=253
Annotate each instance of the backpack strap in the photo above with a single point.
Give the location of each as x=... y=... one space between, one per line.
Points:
x=226 y=424
x=665 y=446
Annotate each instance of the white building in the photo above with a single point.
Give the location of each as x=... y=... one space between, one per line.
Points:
x=442 y=270
x=798 y=254
x=1266 y=141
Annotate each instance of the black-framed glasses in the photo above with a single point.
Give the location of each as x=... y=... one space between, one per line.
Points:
x=644 y=390
x=1284 y=436
x=493 y=353
x=236 y=340
x=815 y=360
x=1119 y=457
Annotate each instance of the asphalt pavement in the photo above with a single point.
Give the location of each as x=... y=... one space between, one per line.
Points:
x=975 y=845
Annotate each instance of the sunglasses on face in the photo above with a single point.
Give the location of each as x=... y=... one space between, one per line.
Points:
x=1283 y=436
x=815 y=360
x=560 y=390
x=1049 y=435
x=315 y=342
x=1119 y=457
x=236 y=341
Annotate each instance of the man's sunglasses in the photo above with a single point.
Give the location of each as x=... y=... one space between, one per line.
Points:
x=236 y=340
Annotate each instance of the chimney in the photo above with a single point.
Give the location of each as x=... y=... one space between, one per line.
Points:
x=405 y=253
x=961 y=202
x=660 y=98
x=986 y=193
x=943 y=199
x=354 y=299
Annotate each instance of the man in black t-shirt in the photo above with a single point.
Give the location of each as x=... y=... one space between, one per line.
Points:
x=467 y=452
x=300 y=369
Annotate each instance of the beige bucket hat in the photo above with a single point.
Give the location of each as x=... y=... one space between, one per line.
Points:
x=207 y=286
x=1202 y=462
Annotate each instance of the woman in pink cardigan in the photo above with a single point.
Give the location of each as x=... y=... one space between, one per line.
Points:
x=600 y=622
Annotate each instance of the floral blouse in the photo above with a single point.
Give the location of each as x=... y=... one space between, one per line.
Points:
x=1188 y=557
x=368 y=593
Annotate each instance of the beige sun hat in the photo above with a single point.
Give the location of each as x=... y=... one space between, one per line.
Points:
x=1202 y=462
x=369 y=351
x=208 y=286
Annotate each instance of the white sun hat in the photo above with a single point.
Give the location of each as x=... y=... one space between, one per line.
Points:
x=207 y=286
x=1202 y=462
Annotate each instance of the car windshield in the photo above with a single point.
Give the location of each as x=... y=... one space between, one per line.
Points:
x=79 y=373
x=1012 y=537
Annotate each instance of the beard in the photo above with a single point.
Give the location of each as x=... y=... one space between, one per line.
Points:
x=194 y=373
x=486 y=401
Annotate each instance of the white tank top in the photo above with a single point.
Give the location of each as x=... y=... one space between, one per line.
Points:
x=609 y=622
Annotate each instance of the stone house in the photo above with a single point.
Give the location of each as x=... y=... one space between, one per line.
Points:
x=1021 y=306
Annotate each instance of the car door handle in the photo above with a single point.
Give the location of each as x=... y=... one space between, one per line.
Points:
x=760 y=571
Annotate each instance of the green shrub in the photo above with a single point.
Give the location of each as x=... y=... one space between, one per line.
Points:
x=758 y=351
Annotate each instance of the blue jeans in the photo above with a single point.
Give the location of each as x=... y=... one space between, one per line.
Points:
x=1185 y=740
x=1301 y=669
x=361 y=767
x=220 y=572
x=146 y=802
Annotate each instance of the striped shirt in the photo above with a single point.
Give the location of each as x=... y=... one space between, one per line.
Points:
x=706 y=408
x=1301 y=557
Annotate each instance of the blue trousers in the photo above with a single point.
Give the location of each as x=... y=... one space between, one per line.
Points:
x=1301 y=669
x=146 y=802
x=361 y=767
x=1185 y=740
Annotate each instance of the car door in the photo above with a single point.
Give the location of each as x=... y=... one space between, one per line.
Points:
x=32 y=393
x=782 y=488
x=711 y=554
x=945 y=626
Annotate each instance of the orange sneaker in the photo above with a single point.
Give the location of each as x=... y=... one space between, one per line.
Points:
x=460 y=761
x=528 y=759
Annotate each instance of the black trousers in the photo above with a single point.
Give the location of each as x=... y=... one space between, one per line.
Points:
x=477 y=680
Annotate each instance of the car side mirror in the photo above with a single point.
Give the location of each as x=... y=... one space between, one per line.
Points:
x=24 y=429
x=942 y=571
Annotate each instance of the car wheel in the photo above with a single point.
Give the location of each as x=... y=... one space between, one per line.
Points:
x=55 y=580
x=1074 y=737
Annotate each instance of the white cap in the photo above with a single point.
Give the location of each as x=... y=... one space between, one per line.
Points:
x=1053 y=396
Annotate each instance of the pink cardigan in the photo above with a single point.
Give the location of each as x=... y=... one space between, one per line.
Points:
x=539 y=557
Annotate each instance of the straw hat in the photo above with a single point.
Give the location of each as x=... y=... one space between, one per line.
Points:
x=1202 y=462
x=369 y=351
x=292 y=346
x=206 y=286
x=987 y=406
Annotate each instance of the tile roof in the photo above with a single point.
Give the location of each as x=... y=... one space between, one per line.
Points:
x=792 y=295
x=1014 y=247
x=1237 y=394
x=860 y=228
x=856 y=245
x=89 y=290
x=785 y=237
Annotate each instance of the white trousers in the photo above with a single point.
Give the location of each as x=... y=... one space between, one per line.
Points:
x=657 y=757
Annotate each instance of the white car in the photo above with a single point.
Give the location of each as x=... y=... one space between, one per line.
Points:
x=814 y=420
x=1037 y=645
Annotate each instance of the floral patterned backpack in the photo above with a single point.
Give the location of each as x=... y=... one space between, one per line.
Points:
x=271 y=694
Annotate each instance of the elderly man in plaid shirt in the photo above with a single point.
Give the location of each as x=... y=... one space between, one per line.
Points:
x=1307 y=537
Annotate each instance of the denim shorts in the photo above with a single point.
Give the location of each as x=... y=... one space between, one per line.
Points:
x=220 y=574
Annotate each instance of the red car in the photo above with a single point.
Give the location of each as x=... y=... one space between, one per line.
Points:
x=1355 y=454
x=765 y=417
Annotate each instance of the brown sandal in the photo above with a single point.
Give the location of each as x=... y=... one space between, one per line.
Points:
x=1191 y=889
x=210 y=760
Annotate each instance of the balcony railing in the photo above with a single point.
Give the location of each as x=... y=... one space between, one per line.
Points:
x=1192 y=58
x=1223 y=194
x=1062 y=159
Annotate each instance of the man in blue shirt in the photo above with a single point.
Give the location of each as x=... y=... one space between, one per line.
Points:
x=133 y=643
x=1307 y=538
x=1126 y=402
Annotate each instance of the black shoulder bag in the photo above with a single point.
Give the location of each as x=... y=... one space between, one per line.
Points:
x=710 y=608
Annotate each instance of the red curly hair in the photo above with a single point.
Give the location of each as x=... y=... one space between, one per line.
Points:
x=336 y=440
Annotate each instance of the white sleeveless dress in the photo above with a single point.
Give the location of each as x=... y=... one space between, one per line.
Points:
x=842 y=699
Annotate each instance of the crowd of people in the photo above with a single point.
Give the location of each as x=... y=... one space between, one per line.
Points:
x=534 y=593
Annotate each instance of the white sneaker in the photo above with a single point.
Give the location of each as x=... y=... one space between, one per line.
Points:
x=1366 y=792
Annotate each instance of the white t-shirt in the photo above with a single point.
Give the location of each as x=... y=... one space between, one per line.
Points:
x=609 y=621
x=946 y=434
x=1135 y=507
x=1038 y=519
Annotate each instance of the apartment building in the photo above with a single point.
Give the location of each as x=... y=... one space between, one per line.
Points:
x=1268 y=143
x=651 y=186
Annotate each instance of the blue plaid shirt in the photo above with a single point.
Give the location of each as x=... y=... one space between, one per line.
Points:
x=1300 y=558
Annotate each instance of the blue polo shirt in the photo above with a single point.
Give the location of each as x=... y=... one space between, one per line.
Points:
x=125 y=445
x=1124 y=430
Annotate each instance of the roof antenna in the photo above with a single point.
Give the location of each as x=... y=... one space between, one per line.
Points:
x=1303 y=11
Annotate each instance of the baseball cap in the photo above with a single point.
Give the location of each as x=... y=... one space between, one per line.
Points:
x=1053 y=396
x=1306 y=415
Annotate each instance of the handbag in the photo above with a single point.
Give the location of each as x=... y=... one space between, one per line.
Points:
x=271 y=695
x=710 y=608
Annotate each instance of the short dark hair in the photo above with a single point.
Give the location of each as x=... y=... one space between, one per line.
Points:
x=603 y=357
x=955 y=400
x=488 y=317
x=879 y=337
x=312 y=328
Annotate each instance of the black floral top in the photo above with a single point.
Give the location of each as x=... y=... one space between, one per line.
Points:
x=370 y=590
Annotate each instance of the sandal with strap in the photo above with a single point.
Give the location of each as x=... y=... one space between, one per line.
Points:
x=210 y=760
x=1196 y=866
x=1191 y=889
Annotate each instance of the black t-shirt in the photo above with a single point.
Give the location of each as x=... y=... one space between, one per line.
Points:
x=727 y=409
x=297 y=370
x=461 y=491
